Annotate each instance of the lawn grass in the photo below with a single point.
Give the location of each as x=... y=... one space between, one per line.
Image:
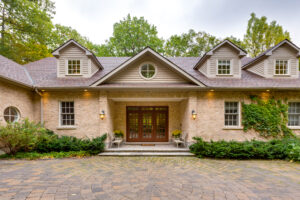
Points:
x=50 y=155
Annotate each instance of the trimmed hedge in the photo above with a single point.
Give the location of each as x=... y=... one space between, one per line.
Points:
x=51 y=142
x=287 y=149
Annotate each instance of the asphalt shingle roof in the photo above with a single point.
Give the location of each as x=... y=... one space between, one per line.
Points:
x=43 y=74
x=14 y=72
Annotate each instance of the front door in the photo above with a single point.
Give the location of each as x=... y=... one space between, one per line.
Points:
x=147 y=124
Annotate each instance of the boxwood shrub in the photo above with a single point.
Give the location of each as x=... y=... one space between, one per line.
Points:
x=286 y=148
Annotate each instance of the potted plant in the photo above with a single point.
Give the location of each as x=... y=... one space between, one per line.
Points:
x=176 y=133
x=118 y=133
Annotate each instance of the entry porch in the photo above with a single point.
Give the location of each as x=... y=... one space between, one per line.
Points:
x=148 y=117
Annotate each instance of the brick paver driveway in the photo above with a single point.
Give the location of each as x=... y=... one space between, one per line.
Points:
x=148 y=178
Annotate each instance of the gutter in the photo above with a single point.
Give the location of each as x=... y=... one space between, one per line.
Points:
x=171 y=87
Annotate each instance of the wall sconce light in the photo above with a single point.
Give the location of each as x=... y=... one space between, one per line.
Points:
x=102 y=115
x=194 y=114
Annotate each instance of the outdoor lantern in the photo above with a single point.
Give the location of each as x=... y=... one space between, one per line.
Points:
x=194 y=114
x=102 y=114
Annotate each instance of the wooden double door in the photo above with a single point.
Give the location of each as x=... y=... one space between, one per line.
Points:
x=147 y=123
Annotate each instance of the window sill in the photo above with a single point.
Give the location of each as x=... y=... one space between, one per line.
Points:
x=282 y=75
x=66 y=127
x=294 y=127
x=73 y=74
x=225 y=75
x=232 y=128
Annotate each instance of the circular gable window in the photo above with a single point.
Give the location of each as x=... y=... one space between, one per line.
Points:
x=147 y=71
x=11 y=114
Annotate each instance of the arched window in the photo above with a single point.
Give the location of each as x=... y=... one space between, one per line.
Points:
x=11 y=114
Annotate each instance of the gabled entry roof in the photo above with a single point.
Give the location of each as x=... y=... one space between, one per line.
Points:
x=157 y=55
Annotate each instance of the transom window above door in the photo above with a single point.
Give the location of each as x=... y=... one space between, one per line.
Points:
x=147 y=71
x=74 y=67
x=224 y=67
x=281 y=67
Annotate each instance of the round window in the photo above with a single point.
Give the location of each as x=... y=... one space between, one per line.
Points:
x=147 y=71
x=11 y=114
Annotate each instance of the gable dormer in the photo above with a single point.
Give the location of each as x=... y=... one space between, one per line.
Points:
x=74 y=60
x=224 y=60
x=280 y=61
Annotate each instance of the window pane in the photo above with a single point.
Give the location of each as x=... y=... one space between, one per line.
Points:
x=73 y=66
x=294 y=114
x=67 y=113
x=148 y=70
x=231 y=114
x=224 y=67
x=11 y=114
x=281 y=67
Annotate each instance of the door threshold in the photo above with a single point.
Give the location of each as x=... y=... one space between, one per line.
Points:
x=145 y=143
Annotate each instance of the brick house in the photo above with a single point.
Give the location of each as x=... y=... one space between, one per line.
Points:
x=148 y=95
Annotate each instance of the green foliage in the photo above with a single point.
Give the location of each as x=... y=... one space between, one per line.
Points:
x=269 y=118
x=51 y=155
x=190 y=44
x=131 y=35
x=51 y=142
x=21 y=136
x=262 y=35
x=61 y=34
x=29 y=136
x=287 y=148
x=25 y=26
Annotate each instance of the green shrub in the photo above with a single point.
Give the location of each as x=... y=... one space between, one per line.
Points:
x=51 y=142
x=287 y=148
x=20 y=136
x=29 y=136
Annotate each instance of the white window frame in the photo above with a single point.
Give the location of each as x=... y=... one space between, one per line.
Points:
x=239 y=114
x=231 y=68
x=140 y=70
x=291 y=126
x=288 y=67
x=60 y=119
x=67 y=67
x=17 y=111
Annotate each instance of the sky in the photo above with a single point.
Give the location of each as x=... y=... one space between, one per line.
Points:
x=95 y=18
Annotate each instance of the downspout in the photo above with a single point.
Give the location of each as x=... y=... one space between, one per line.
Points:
x=41 y=105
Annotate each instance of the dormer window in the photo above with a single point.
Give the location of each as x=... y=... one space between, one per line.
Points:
x=281 y=67
x=224 y=67
x=74 y=67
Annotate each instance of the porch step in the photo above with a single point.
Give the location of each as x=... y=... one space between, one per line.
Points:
x=144 y=153
x=142 y=150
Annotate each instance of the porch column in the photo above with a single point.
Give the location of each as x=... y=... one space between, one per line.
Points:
x=189 y=125
x=104 y=105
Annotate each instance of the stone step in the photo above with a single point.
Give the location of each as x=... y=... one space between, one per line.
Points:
x=146 y=150
x=146 y=154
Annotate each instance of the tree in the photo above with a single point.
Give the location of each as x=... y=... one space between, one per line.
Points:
x=237 y=42
x=190 y=44
x=131 y=35
x=61 y=34
x=25 y=27
x=261 y=35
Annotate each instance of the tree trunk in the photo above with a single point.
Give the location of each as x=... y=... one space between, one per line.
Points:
x=2 y=25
